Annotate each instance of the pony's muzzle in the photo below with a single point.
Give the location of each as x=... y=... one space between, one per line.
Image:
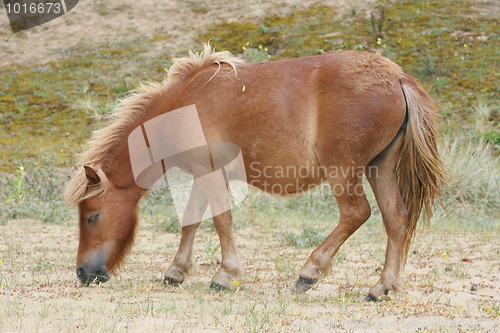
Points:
x=91 y=275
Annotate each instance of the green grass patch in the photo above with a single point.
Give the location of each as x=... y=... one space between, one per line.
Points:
x=157 y=208
x=52 y=108
x=309 y=237
x=35 y=191
x=448 y=45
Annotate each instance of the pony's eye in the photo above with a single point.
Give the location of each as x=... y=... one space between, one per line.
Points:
x=93 y=218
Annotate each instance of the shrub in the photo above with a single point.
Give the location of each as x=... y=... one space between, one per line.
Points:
x=35 y=191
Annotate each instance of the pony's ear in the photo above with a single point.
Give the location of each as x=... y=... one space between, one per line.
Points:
x=92 y=175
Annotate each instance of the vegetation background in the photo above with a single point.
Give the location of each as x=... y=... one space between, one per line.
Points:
x=59 y=81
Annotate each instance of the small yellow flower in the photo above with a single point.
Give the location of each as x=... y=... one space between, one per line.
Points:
x=260 y=47
x=1 y=262
x=379 y=41
x=236 y=283
x=21 y=168
x=444 y=255
x=465 y=45
x=244 y=48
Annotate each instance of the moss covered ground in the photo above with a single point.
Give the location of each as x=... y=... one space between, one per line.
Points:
x=453 y=47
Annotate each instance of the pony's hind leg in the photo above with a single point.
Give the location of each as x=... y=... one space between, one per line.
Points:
x=354 y=211
x=382 y=177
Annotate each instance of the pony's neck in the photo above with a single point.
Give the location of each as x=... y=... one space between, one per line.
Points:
x=120 y=168
x=120 y=172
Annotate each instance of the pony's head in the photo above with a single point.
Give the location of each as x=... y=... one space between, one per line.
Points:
x=107 y=218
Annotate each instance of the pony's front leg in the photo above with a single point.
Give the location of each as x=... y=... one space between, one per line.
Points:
x=183 y=262
x=231 y=268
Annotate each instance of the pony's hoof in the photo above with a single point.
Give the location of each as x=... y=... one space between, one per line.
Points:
x=217 y=287
x=170 y=281
x=382 y=298
x=304 y=284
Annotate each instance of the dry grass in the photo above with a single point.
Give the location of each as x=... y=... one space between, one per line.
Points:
x=39 y=291
x=473 y=196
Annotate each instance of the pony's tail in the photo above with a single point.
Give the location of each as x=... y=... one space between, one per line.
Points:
x=420 y=170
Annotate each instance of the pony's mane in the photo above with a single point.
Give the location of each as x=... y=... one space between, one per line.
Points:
x=106 y=140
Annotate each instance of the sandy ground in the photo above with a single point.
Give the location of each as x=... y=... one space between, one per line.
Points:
x=99 y=22
x=450 y=287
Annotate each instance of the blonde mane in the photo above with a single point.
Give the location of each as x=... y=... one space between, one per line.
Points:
x=106 y=140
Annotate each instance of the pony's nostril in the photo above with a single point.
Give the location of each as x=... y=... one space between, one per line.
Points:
x=91 y=275
x=80 y=272
x=102 y=276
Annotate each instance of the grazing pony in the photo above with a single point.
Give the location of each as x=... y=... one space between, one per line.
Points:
x=343 y=111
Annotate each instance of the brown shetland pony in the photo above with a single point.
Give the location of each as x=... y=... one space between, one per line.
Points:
x=344 y=110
